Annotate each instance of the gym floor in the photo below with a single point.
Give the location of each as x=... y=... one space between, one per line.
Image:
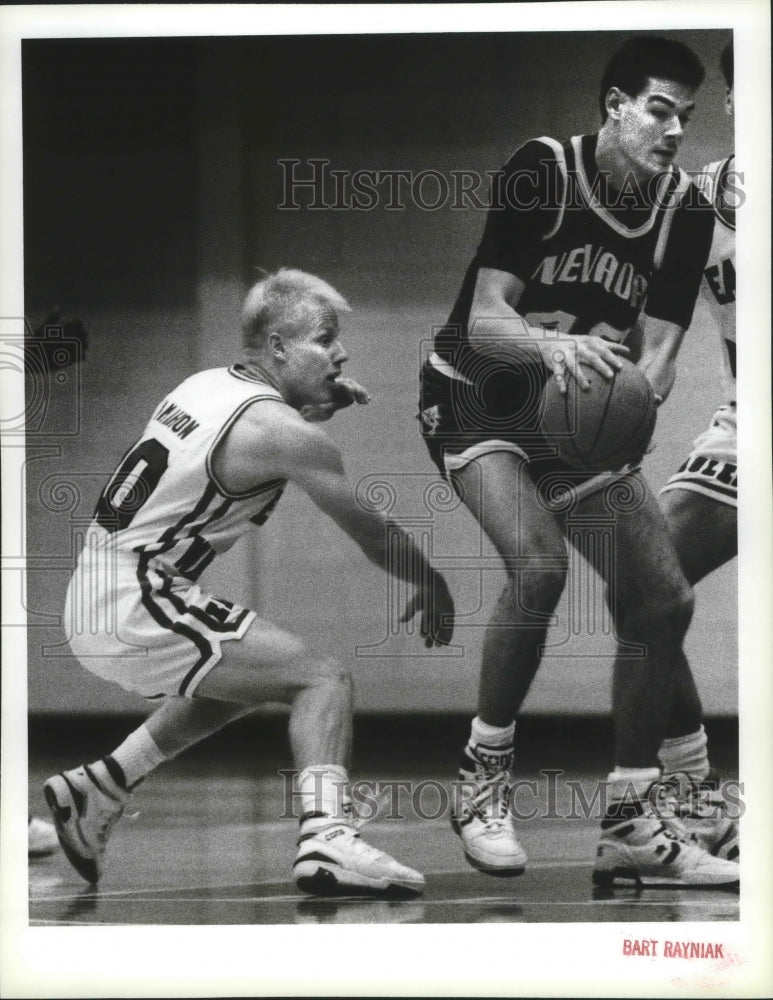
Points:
x=210 y=844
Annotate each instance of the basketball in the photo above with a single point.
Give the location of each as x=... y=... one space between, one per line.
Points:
x=604 y=427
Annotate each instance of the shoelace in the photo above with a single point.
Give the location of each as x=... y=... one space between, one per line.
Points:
x=693 y=799
x=664 y=802
x=108 y=817
x=494 y=790
x=109 y=822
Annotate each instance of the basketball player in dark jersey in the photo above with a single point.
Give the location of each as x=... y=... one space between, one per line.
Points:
x=593 y=249
x=211 y=464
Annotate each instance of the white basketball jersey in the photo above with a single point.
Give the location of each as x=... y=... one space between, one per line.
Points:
x=164 y=502
x=719 y=274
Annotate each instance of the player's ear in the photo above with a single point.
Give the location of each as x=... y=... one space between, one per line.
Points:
x=613 y=102
x=276 y=345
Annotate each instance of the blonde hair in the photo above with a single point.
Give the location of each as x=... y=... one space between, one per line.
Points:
x=278 y=301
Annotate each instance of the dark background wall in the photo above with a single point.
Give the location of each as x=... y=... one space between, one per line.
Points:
x=152 y=192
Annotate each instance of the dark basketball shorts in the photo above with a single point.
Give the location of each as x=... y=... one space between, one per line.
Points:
x=461 y=421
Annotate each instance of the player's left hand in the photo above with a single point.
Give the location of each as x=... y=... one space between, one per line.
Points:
x=347 y=391
x=436 y=606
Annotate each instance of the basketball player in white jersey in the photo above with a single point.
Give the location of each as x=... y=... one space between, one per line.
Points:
x=212 y=462
x=700 y=502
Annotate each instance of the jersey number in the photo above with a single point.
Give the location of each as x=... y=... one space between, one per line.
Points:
x=131 y=485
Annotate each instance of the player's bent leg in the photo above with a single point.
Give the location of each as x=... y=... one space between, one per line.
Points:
x=86 y=802
x=501 y=495
x=271 y=665
x=704 y=531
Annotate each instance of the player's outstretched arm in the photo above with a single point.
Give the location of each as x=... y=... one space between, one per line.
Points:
x=306 y=455
x=497 y=330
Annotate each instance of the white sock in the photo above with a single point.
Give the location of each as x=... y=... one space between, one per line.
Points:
x=324 y=790
x=137 y=756
x=491 y=745
x=688 y=754
x=631 y=782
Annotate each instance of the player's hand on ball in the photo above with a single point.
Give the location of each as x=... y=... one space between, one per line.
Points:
x=569 y=353
x=436 y=606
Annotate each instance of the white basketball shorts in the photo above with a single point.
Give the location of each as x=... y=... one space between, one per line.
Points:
x=711 y=468
x=131 y=621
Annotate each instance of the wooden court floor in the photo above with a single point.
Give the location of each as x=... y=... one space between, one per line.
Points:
x=209 y=845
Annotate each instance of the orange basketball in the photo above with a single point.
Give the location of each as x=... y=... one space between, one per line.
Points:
x=604 y=427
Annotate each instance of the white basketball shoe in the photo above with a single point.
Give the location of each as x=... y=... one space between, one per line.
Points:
x=334 y=860
x=482 y=820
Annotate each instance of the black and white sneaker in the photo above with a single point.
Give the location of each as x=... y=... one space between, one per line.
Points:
x=84 y=814
x=654 y=853
x=705 y=814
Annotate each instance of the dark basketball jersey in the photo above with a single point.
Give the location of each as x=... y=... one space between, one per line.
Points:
x=586 y=253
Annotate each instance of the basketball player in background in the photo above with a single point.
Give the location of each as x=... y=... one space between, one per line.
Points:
x=212 y=462
x=700 y=502
x=581 y=234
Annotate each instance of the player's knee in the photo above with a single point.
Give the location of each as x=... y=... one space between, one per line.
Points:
x=668 y=612
x=538 y=590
